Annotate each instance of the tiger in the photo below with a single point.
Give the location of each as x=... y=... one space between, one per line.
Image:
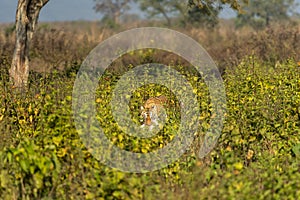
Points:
x=152 y=111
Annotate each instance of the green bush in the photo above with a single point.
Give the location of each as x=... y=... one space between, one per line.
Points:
x=257 y=156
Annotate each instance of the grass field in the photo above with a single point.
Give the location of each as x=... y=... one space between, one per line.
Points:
x=256 y=157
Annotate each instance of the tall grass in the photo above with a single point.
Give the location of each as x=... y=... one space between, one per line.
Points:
x=60 y=45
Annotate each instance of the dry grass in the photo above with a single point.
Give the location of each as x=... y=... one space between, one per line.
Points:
x=62 y=45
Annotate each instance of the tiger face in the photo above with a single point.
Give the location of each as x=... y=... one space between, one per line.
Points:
x=152 y=111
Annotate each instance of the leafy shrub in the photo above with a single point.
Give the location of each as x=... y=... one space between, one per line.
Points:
x=257 y=156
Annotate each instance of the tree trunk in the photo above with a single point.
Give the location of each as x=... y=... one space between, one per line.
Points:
x=26 y=20
x=268 y=20
x=167 y=18
x=117 y=15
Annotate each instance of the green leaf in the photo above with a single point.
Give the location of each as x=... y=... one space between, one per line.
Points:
x=38 y=180
x=238 y=166
x=296 y=150
x=24 y=165
x=3 y=178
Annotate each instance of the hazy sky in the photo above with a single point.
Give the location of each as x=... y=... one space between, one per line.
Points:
x=65 y=10
x=55 y=10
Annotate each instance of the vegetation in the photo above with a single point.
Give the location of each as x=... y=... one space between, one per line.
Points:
x=206 y=16
x=257 y=155
x=172 y=10
x=189 y=11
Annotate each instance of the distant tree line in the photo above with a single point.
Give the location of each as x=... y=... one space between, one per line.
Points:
x=256 y=13
x=204 y=12
x=261 y=13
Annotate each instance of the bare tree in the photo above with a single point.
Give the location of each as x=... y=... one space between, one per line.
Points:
x=26 y=21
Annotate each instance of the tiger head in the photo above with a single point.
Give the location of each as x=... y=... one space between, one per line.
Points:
x=151 y=110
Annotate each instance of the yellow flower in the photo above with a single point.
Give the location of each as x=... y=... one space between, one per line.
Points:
x=250 y=154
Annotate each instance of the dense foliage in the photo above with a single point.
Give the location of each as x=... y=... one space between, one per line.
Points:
x=257 y=156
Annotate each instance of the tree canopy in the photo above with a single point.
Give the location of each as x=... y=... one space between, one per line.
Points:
x=234 y=4
x=112 y=9
x=166 y=8
x=195 y=11
x=260 y=13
